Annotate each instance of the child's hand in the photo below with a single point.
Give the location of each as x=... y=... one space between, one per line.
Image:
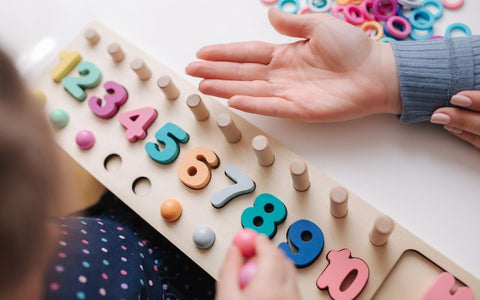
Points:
x=275 y=277
x=335 y=73
x=462 y=122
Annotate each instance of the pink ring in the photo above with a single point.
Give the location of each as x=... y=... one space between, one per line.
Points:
x=379 y=10
x=336 y=10
x=269 y=2
x=366 y=7
x=353 y=14
x=451 y=5
x=400 y=34
x=304 y=10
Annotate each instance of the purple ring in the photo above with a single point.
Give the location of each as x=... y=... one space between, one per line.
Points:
x=380 y=13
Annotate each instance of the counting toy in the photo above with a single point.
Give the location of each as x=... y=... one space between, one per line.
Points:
x=59 y=118
x=148 y=135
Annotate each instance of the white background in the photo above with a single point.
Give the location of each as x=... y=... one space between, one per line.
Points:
x=424 y=178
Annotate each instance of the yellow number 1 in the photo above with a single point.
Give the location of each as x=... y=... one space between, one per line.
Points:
x=68 y=61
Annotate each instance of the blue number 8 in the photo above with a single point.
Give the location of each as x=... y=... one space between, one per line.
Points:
x=168 y=135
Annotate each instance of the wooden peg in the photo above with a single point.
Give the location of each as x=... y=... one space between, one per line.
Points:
x=263 y=151
x=142 y=70
x=300 y=178
x=338 y=202
x=116 y=52
x=381 y=230
x=198 y=108
x=167 y=86
x=92 y=36
x=228 y=128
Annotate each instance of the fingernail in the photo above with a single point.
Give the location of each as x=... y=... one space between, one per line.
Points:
x=461 y=100
x=453 y=130
x=440 y=118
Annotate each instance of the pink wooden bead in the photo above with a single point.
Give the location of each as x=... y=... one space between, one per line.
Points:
x=245 y=242
x=85 y=139
x=247 y=272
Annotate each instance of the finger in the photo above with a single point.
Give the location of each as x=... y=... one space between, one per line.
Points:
x=464 y=135
x=252 y=52
x=227 y=283
x=467 y=99
x=463 y=119
x=291 y=25
x=229 y=88
x=267 y=106
x=226 y=70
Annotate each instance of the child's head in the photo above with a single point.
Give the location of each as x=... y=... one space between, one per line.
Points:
x=28 y=184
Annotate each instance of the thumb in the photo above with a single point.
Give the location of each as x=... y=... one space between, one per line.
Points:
x=291 y=25
x=228 y=284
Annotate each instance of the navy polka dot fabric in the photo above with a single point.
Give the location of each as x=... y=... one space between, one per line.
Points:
x=109 y=252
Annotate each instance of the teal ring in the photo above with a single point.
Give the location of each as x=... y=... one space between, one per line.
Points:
x=282 y=3
x=458 y=26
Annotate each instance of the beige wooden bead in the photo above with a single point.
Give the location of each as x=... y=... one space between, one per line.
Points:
x=382 y=228
x=300 y=178
x=167 y=86
x=339 y=202
x=198 y=108
x=116 y=52
x=228 y=128
x=263 y=151
x=92 y=36
x=142 y=70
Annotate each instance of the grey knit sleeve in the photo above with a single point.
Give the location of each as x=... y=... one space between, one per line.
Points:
x=431 y=72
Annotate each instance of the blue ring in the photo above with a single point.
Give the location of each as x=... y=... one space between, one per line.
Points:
x=437 y=4
x=416 y=37
x=421 y=25
x=324 y=2
x=281 y=3
x=458 y=26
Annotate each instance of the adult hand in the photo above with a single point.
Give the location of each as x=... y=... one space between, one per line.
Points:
x=462 y=121
x=336 y=72
x=275 y=276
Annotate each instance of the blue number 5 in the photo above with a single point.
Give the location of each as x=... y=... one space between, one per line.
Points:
x=169 y=135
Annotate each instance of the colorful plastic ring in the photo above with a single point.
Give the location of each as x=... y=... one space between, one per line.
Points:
x=410 y=3
x=269 y=2
x=418 y=37
x=398 y=27
x=336 y=11
x=387 y=33
x=380 y=14
x=353 y=14
x=453 y=5
x=424 y=14
x=282 y=3
x=458 y=26
x=343 y=2
x=304 y=10
x=438 y=5
x=316 y=8
x=373 y=25
x=386 y=40
x=401 y=11
x=366 y=8
x=436 y=37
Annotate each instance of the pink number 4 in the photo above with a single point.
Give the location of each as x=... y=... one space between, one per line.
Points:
x=136 y=122
x=115 y=97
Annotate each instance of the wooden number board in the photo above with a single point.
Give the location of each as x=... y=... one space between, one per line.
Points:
x=116 y=111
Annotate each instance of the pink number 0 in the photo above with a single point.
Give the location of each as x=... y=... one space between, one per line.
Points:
x=115 y=97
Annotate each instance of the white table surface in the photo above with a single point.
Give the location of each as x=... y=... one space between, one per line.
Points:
x=424 y=178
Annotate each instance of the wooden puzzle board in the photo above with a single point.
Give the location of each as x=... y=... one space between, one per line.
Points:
x=350 y=232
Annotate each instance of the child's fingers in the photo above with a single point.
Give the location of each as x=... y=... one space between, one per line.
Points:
x=467 y=99
x=463 y=119
x=229 y=88
x=268 y=106
x=227 y=70
x=464 y=135
x=227 y=284
x=300 y=26
x=253 y=52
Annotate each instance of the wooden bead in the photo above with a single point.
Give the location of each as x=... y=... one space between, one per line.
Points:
x=263 y=151
x=171 y=210
x=203 y=237
x=198 y=108
x=116 y=52
x=300 y=178
x=39 y=96
x=142 y=70
x=338 y=202
x=381 y=230
x=167 y=86
x=228 y=128
x=245 y=242
x=92 y=36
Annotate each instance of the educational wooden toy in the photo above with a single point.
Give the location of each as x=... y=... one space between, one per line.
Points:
x=131 y=126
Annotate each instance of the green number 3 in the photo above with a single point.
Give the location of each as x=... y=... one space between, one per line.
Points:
x=267 y=212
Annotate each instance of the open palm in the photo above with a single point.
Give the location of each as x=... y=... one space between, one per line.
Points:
x=336 y=72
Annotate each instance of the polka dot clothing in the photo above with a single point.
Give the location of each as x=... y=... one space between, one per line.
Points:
x=109 y=252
